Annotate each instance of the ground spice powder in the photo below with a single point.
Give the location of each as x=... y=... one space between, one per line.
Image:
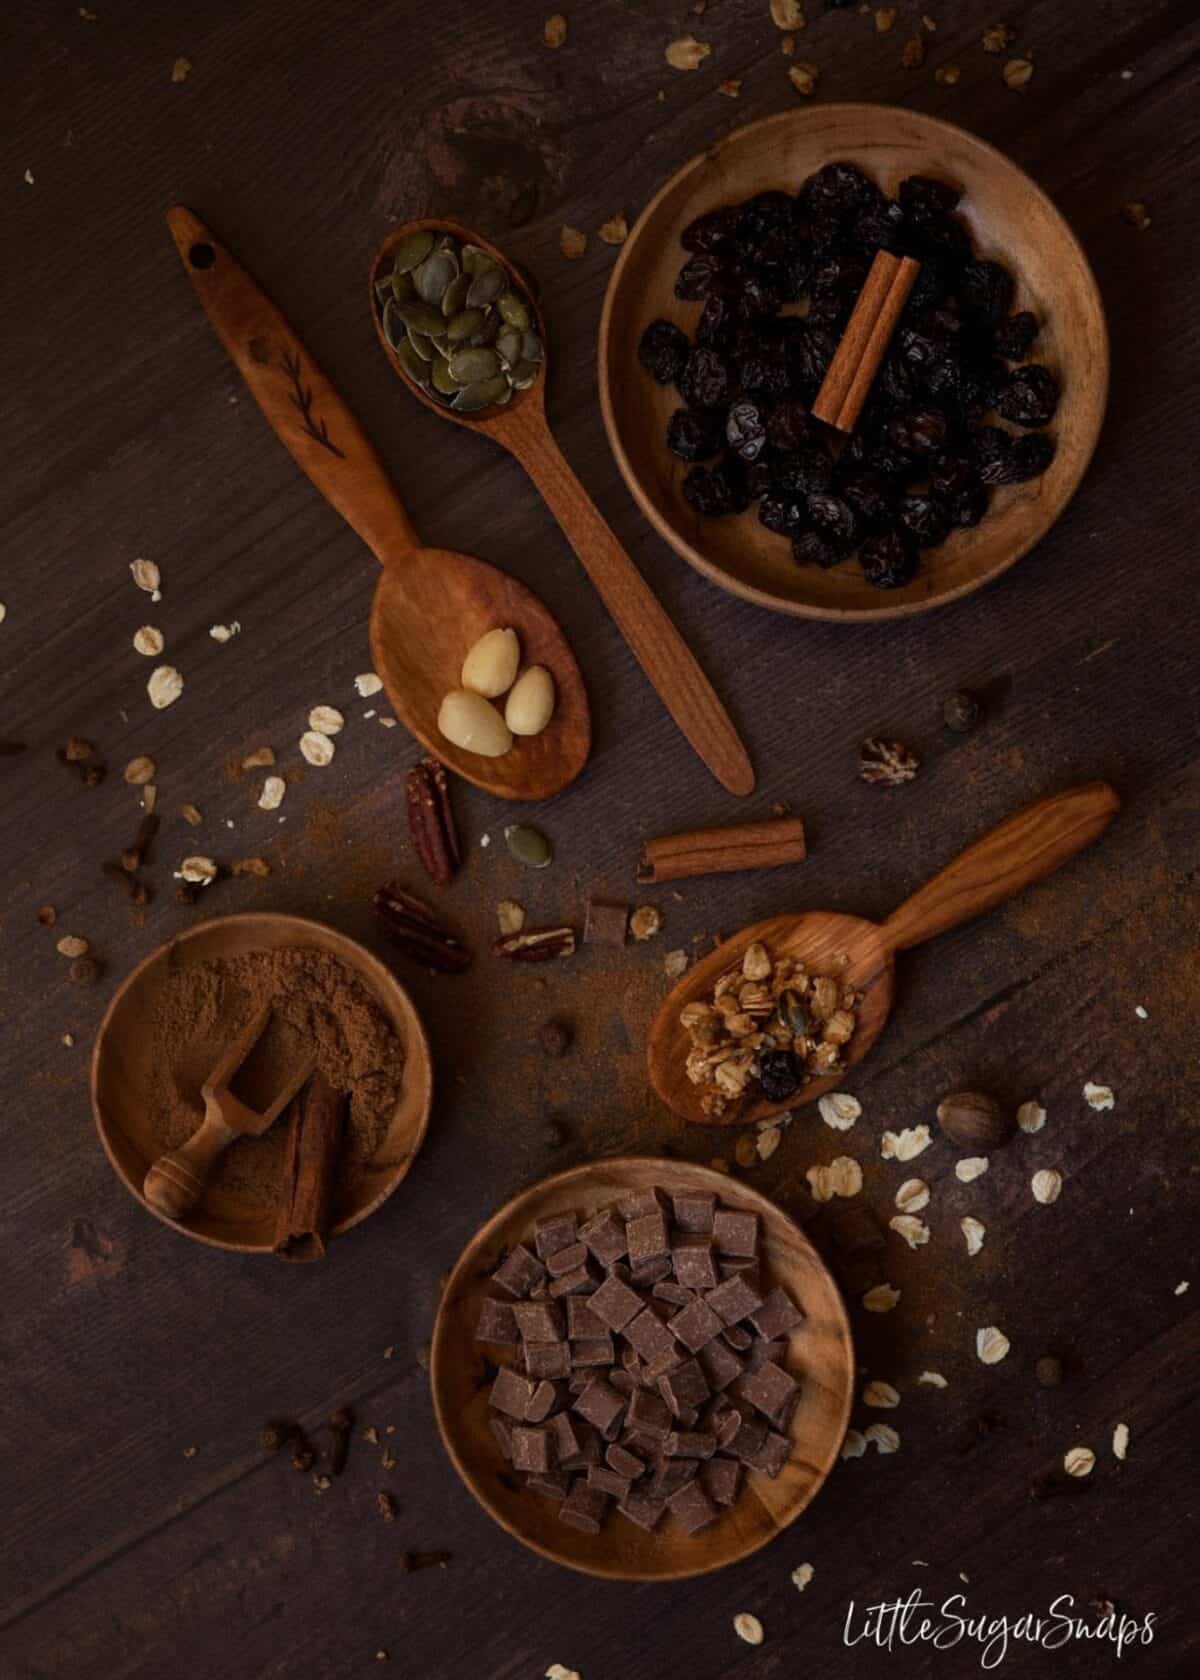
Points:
x=320 y=1009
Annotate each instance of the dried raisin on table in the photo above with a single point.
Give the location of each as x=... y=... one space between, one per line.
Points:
x=870 y=495
x=919 y=432
x=810 y=548
x=922 y=195
x=784 y=515
x=707 y=379
x=663 y=351
x=694 y=435
x=700 y=275
x=807 y=471
x=1014 y=338
x=986 y=288
x=1030 y=397
x=714 y=491
x=888 y=560
x=745 y=430
x=833 y=519
x=925 y=519
x=1017 y=458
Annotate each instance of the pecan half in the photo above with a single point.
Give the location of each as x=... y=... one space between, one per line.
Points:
x=535 y=944
x=431 y=821
x=414 y=929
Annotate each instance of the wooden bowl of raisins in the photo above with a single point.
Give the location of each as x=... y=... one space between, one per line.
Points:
x=728 y=302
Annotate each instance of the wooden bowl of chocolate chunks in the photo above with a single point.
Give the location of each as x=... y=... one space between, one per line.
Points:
x=642 y=1369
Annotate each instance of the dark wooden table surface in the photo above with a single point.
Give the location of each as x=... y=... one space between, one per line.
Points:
x=143 y=1533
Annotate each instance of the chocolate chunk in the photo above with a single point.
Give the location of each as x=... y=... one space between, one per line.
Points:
x=670 y=1474
x=518 y=1272
x=496 y=1322
x=605 y=1236
x=621 y=1381
x=649 y=1415
x=645 y=1446
x=737 y=1337
x=772 y=1455
x=624 y=1462
x=567 y=1260
x=650 y=1338
x=619 y=1269
x=579 y=1282
x=547 y=1359
x=614 y=1303
x=503 y=1434
x=684 y=1387
x=643 y=1508
x=568 y=1436
x=605 y=923
x=694 y=1264
x=600 y=1404
x=722 y=1477
x=693 y=1211
x=557 y=1231
x=582 y=1323
x=578 y=1381
x=748 y=1439
x=692 y=1508
x=720 y=1364
x=540 y=1321
x=778 y=1316
x=649 y=1272
x=647 y=1238
x=673 y=1293
x=511 y=1393
x=682 y=1443
x=696 y=1325
x=547 y=1397
x=727 y=1427
x=640 y=1203
x=551 y=1484
x=588 y=1351
x=769 y=1389
x=741 y=1268
x=733 y=1300
x=531 y=1449
x=735 y=1233
x=765 y=1353
x=584 y=1507
x=599 y=1476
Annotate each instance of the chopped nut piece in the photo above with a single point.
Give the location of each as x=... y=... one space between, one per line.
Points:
x=1079 y=1461
x=787 y=14
x=1098 y=1096
x=181 y=69
x=687 y=53
x=887 y=763
x=165 y=686
x=912 y=54
x=1046 y=1185
x=510 y=916
x=802 y=1575
x=947 y=75
x=970 y=1168
x=884 y=1436
x=675 y=963
x=1136 y=214
x=881 y=1395
x=1031 y=1117
x=554 y=31
x=72 y=945
x=224 y=632
x=259 y=759
x=996 y=37
x=615 y=231
x=885 y=17
x=147 y=576
x=273 y=790
x=139 y=771
x=191 y=815
x=315 y=748
x=839 y=1110
x=730 y=87
x=912 y=1195
x=804 y=76
x=914 y=1231
x=47 y=915
x=149 y=641
x=932 y=1379
x=748 y=1628
x=386 y=1506
x=1120 y=1440
x=1017 y=72
x=198 y=871
x=645 y=922
x=326 y=720
x=991 y=1344
x=905 y=1145
x=252 y=866
x=572 y=241
x=883 y=1298
x=368 y=683
x=149 y=797
x=974 y=1232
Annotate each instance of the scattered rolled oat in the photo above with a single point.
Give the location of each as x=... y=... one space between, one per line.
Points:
x=787 y=14
x=1136 y=214
x=842 y=1177
x=326 y=720
x=883 y=1298
x=1182 y=1288
x=198 y=871
x=767 y=1142
x=165 y=686
x=1120 y=1440
x=912 y=1195
x=1098 y=1096
x=881 y=1395
x=974 y=1230
x=991 y=1344
x=730 y=87
x=996 y=37
x=932 y=1379
x=367 y=683
x=884 y=1436
x=316 y=748
x=645 y=922
x=1031 y=1117
x=191 y=815
x=905 y=1145
x=1046 y=1185
x=390 y=723
x=687 y=53
x=224 y=632
x=181 y=69
x=947 y=75
x=970 y=1167
x=148 y=640
x=885 y=17
x=616 y=230
x=675 y=963
x=748 y=1628
x=1017 y=72
x=149 y=797
x=259 y=759
x=510 y=916
x=139 y=771
x=839 y=1110
x=72 y=945
x=855 y=1444
x=273 y=790
x=804 y=76
x=914 y=1231
x=1141 y=1012
x=802 y=1575
x=147 y=577
x=1079 y=1461
x=556 y=1671
x=554 y=31
x=572 y=241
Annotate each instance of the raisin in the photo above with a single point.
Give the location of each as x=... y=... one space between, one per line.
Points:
x=991 y=446
x=716 y=321
x=1030 y=396
x=921 y=195
x=760 y=476
x=810 y=548
x=833 y=519
x=1024 y=458
x=967 y=507
x=710 y=231
x=986 y=288
x=745 y=430
x=783 y=514
x=1014 y=338
x=889 y=560
x=804 y=472
x=951 y=475
x=699 y=276
x=837 y=189
x=790 y=425
x=706 y=380
x=920 y=432
x=694 y=436
x=663 y=350
x=766 y=376
x=779 y=1074
x=765 y=216
x=870 y=496
x=925 y=519
x=714 y=491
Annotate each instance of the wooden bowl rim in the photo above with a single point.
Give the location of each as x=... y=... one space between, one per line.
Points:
x=417 y=1055
x=694 y=556
x=441 y=1350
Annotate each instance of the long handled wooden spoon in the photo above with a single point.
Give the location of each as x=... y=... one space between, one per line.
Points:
x=430 y=604
x=521 y=427
x=1027 y=846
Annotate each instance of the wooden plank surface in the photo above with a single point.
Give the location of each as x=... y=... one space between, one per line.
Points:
x=302 y=131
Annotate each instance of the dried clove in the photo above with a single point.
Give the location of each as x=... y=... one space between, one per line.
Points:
x=535 y=944
x=386 y=1505
x=276 y=1434
x=431 y=821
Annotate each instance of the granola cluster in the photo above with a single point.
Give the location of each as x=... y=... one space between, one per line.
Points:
x=770 y=1022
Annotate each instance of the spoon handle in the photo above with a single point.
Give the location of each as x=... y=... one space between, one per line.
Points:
x=1026 y=847
x=656 y=644
x=301 y=406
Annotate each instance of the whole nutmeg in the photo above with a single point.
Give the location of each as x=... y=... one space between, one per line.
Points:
x=554 y=1038
x=961 y=711
x=973 y=1120
x=1049 y=1370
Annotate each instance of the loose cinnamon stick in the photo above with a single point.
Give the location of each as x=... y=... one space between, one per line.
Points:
x=316 y=1121
x=716 y=851
x=877 y=344
x=864 y=343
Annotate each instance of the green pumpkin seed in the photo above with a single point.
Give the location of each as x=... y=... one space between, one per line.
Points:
x=794 y=1012
x=508 y=346
x=512 y=309
x=488 y=330
x=393 y=326
x=442 y=379
x=422 y=318
x=422 y=344
x=486 y=288
x=402 y=287
x=416 y=369
x=434 y=275
x=464 y=325
x=524 y=375
x=454 y=298
x=484 y=393
x=470 y=366
x=475 y=260
x=383 y=290
x=528 y=846
x=413 y=250
x=531 y=348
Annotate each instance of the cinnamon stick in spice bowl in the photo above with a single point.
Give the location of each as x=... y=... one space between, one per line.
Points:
x=864 y=343
x=316 y=1121
x=718 y=851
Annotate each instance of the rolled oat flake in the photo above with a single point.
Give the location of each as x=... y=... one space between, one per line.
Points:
x=326 y=720
x=273 y=790
x=748 y=1628
x=316 y=748
x=165 y=686
x=1079 y=1461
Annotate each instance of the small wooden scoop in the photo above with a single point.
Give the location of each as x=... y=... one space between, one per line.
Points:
x=1026 y=847
x=177 y=1180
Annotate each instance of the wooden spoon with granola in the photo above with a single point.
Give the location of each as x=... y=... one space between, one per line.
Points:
x=774 y=1016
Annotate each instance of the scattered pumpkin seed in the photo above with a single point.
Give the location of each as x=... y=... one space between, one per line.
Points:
x=383 y=290
x=402 y=287
x=412 y=250
x=393 y=327
x=422 y=317
x=414 y=366
x=523 y=375
x=443 y=380
x=513 y=310
x=484 y=393
x=489 y=329
x=464 y=325
x=422 y=344
x=528 y=845
x=508 y=346
x=476 y=260
x=531 y=348
x=470 y=366
x=486 y=287
x=454 y=298
x=434 y=275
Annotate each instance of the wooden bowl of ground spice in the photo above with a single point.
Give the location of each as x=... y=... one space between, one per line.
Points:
x=174 y=1017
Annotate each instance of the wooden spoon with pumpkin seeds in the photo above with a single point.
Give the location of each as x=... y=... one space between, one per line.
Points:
x=431 y=604
x=464 y=332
